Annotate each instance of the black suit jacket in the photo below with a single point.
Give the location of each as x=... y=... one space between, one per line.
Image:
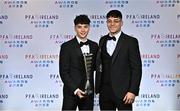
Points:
x=126 y=66
x=71 y=66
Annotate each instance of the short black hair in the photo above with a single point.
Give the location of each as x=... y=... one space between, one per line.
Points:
x=82 y=19
x=114 y=13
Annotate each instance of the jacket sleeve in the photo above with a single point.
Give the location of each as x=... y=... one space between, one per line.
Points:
x=64 y=68
x=98 y=67
x=136 y=66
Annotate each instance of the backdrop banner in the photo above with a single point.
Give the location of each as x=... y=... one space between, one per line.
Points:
x=32 y=31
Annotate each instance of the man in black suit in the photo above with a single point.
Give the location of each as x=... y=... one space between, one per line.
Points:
x=119 y=67
x=72 y=67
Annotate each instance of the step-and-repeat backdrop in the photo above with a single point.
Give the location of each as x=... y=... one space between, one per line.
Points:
x=32 y=31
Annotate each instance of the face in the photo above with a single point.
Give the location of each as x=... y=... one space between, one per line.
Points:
x=82 y=30
x=114 y=25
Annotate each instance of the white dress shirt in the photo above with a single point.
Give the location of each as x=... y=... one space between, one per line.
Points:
x=111 y=44
x=84 y=49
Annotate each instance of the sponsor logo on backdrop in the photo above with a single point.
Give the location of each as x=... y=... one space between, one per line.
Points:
x=42 y=100
x=178 y=96
x=15 y=3
x=178 y=16
x=3 y=18
x=146 y=100
x=66 y=3
x=41 y=21
x=166 y=80
x=61 y=38
x=42 y=60
x=116 y=3
x=56 y=78
x=97 y=20
x=16 y=40
x=167 y=3
x=166 y=40
x=149 y=59
x=3 y=97
x=143 y=20
x=178 y=56
x=15 y=80
x=3 y=57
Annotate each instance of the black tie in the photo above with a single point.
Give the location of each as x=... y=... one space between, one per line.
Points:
x=111 y=38
x=83 y=43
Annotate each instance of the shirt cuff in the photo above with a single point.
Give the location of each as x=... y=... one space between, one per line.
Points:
x=75 y=92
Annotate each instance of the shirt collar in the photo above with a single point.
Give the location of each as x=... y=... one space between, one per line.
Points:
x=116 y=35
x=80 y=40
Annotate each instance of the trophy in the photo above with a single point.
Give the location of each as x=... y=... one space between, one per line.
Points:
x=88 y=65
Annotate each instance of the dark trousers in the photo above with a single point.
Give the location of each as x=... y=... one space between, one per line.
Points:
x=72 y=102
x=108 y=101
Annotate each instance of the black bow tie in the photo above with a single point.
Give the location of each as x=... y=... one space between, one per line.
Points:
x=111 y=38
x=83 y=43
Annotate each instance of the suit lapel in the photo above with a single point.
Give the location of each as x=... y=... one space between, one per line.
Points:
x=91 y=47
x=118 y=47
x=77 y=48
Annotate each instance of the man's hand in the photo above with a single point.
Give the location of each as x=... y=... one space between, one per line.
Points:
x=80 y=94
x=129 y=98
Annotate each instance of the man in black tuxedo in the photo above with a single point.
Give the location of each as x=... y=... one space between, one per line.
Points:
x=119 y=66
x=72 y=67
